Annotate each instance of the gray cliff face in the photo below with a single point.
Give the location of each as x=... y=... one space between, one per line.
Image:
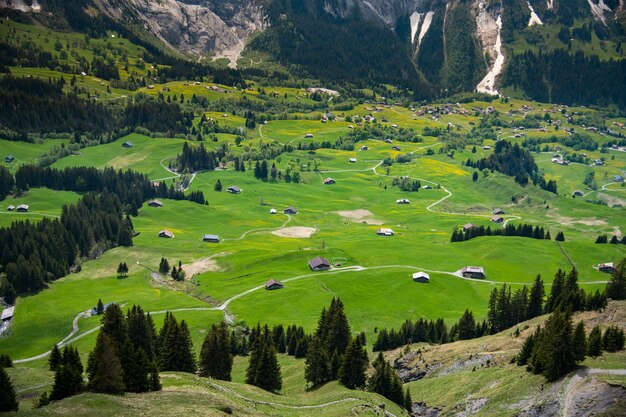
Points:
x=196 y=27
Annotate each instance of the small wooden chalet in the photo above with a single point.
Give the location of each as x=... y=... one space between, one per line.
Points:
x=166 y=234
x=211 y=238
x=319 y=264
x=608 y=267
x=473 y=272
x=273 y=284
x=422 y=277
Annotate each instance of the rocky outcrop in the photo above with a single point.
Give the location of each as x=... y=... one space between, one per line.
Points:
x=196 y=27
x=21 y=5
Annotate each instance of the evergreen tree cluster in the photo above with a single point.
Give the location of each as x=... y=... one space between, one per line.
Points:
x=555 y=349
x=158 y=116
x=507 y=309
x=616 y=287
x=552 y=351
x=386 y=382
x=199 y=158
x=263 y=369
x=328 y=344
x=294 y=341
x=122 y=270
x=36 y=253
x=568 y=296
x=603 y=238
x=8 y=401
x=31 y=105
x=560 y=77
x=216 y=359
x=429 y=331
x=164 y=266
x=7 y=182
x=125 y=356
x=173 y=346
x=514 y=161
x=406 y=184
x=522 y=230
x=68 y=373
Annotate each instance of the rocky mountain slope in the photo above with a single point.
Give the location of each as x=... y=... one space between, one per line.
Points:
x=437 y=45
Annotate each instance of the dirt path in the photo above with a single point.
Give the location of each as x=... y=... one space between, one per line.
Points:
x=290 y=406
x=579 y=383
x=264 y=229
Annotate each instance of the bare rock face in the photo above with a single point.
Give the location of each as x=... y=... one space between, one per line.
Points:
x=21 y=5
x=196 y=27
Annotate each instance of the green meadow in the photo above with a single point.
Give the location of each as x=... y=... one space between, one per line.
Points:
x=372 y=274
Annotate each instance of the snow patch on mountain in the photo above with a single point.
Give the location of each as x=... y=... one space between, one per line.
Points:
x=415 y=20
x=534 y=19
x=599 y=10
x=425 y=26
x=487 y=28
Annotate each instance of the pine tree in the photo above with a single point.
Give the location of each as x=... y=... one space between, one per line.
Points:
x=263 y=368
x=99 y=307
x=164 y=266
x=5 y=361
x=560 y=237
x=616 y=287
x=535 y=300
x=555 y=349
x=408 y=401
x=613 y=339
x=54 y=361
x=216 y=360
x=467 y=326
x=218 y=184
x=354 y=365
x=527 y=348
x=104 y=367
x=555 y=293
x=580 y=342
x=7 y=393
x=594 y=343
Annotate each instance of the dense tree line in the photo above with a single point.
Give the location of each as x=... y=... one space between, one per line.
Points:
x=350 y=50
x=522 y=230
x=158 y=116
x=263 y=368
x=561 y=77
x=30 y=105
x=386 y=382
x=576 y=141
x=514 y=161
x=428 y=331
x=7 y=182
x=328 y=344
x=173 y=346
x=216 y=359
x=131 y=188
x=36 y=253
x=506 y=309
x=568 y=296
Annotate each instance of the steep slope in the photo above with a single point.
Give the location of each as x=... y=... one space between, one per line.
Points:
x=434 y=47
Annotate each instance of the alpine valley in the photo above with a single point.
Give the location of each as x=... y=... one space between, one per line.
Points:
x=313 y=207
